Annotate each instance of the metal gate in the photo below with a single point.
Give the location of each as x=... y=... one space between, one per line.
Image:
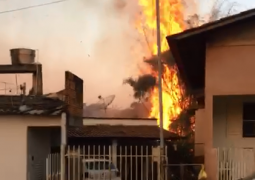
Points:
x=234 y=163
x=131 y=162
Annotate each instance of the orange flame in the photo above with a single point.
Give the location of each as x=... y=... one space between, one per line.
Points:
x=171 y=22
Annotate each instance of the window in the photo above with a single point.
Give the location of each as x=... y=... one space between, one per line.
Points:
x=249 y=120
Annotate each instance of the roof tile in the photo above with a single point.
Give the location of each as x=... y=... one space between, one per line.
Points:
x=119 y=131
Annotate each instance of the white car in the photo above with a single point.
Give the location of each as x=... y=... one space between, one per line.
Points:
x=100 y=169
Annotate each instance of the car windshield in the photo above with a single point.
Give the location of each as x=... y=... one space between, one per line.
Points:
x=99 y=165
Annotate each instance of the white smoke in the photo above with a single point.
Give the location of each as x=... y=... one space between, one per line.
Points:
x=94 y=39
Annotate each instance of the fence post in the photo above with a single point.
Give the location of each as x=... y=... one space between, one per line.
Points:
x=182 y=171
x=114 y=151
x=157 y=149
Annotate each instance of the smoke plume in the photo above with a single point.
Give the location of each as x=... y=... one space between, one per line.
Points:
x=142 y=85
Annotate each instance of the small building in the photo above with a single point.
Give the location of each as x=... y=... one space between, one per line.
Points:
x=216 y=62
x=30 y=121
x=29 y=129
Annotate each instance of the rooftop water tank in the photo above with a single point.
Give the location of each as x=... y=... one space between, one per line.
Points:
x=22 y=56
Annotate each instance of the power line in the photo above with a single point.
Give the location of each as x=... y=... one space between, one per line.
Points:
x=30 y=7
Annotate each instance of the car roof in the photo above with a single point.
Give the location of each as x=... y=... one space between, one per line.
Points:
x=96 y=160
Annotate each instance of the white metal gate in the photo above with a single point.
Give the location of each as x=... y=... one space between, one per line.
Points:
x=234 y=163
x=132 y=162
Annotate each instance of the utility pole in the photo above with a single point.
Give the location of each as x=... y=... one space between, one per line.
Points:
x=162 y=153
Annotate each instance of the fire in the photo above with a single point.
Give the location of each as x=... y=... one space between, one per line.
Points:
x=171 y=22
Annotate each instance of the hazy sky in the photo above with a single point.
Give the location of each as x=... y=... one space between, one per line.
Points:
x=245 y=4
x=240 y=5
x=92 y=38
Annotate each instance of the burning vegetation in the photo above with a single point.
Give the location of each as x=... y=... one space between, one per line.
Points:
x=145 y=86
x=176 y=101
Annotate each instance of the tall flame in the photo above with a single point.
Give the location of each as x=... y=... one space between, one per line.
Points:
x=171 y=22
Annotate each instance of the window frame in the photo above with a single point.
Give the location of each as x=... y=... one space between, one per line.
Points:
x=248 y=120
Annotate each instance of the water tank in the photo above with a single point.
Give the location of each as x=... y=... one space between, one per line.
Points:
x=22 y=56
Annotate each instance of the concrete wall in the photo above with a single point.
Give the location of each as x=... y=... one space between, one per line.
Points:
x=229 y=71
x=230 y=61
x=13 y=143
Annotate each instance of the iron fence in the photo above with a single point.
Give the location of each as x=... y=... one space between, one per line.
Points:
x=234 y=163
x=131 y=162
x=182 y=171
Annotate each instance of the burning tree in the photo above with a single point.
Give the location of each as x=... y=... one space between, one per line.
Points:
x=176 y=100
x=145 y=84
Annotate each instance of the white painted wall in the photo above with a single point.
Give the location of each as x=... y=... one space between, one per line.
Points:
x=14 y=137
x=13 y=143
x=125 y=122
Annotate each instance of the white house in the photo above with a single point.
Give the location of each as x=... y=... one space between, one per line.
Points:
x=27 y=134
x=30 y=129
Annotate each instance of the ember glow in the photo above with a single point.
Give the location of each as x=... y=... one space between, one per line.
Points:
x=171 y=22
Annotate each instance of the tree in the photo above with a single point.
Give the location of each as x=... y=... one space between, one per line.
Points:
x=143 y=85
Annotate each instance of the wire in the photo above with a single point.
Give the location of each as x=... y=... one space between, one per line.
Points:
x=30 y=7
x=3 y=89
x=5 y=82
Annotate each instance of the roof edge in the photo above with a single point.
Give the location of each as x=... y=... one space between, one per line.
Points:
x=119 y=118
x=214 y=25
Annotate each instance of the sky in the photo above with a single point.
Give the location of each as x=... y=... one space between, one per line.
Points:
x=94 y=39
x=239 y=5
x=244 y=4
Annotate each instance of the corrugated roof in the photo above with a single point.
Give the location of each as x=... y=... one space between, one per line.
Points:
x=30 y=105
x=118 y=131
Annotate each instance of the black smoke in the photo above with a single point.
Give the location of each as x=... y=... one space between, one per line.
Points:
x=141 y=85
x=145 y=83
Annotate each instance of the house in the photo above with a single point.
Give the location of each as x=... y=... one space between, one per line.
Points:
x=30 y=122
x=118 y=130
x=131 y=144
x=216 y=62
x=27 y=134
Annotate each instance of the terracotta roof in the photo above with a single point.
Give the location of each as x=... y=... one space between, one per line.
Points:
x=188 y=47
x=119 y=131
x=121 y=118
